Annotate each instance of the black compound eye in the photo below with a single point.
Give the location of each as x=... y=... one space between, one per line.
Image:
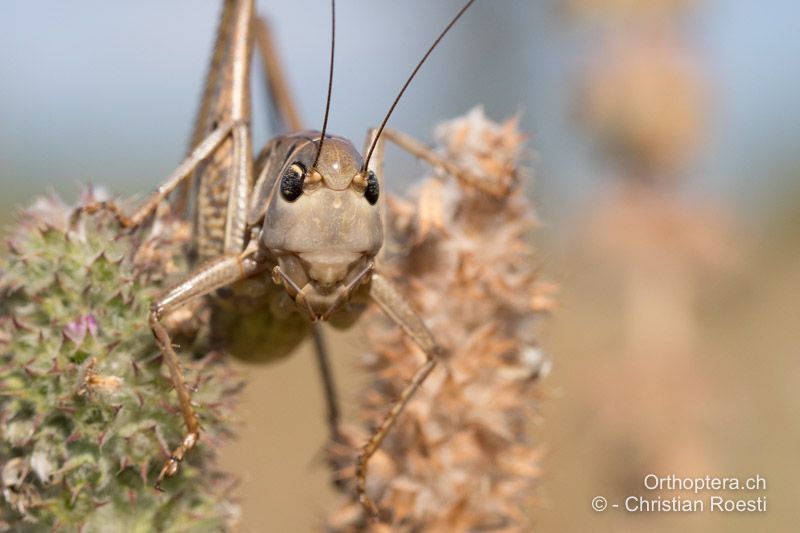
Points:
x=373 y=191
x=292 y=182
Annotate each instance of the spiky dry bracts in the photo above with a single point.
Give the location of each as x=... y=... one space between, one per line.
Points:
x=461 y=457
x=87 y=413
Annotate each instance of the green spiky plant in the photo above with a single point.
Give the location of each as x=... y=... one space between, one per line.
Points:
x=87 y=410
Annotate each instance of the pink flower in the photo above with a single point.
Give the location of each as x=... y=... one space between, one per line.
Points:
x=76 y=330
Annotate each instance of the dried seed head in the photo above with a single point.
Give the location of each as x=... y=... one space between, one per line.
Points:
x=461 y=456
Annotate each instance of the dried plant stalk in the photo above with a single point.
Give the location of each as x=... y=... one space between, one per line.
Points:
x=461 y=456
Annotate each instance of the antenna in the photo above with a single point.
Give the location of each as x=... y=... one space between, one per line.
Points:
x=408 y=81
x=330 y=85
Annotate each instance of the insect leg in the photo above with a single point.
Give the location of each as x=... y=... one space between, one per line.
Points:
x=238 y=108
x=239 y=192
x=399 y=310
x=418 y=149
x=276 y=78
x=326 y=373
x=208 y=277
x=206 y=112
x=184 y=170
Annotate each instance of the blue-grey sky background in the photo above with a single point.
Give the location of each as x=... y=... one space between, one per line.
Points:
x=106 y=91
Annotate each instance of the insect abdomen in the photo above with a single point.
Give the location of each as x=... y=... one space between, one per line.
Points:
x=254 y=321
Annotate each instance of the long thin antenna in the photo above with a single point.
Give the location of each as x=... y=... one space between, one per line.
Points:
x=408 y=81
x=330 y=84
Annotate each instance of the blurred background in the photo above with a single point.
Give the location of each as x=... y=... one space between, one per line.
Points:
x=663 y=136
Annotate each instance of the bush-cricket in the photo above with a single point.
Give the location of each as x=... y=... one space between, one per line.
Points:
x=304 y=215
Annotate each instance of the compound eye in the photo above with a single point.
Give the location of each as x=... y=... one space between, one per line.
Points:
x=373 y=191
x=292 y=182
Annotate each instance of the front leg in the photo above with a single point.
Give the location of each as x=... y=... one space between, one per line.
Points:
x=178 y=176
x=418 y=149
x=209 y=277
x=399 y=310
